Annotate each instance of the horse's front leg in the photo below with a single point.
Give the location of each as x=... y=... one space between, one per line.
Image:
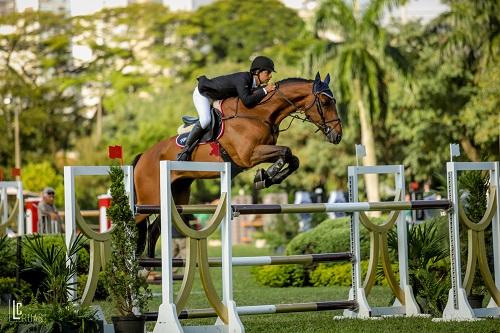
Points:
x=284 y=163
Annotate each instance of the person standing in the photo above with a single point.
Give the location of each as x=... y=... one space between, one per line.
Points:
x=47 y=211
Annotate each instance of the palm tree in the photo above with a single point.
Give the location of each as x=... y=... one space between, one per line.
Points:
x=361 y=59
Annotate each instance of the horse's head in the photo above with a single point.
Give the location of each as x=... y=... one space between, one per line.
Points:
x=323 y=111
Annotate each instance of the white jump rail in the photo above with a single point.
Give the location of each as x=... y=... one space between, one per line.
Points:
x=458 y=307
x=357 y=291
x=70 y=173
x=167 y=316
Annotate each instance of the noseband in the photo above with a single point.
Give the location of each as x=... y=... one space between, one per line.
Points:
x=300 y=110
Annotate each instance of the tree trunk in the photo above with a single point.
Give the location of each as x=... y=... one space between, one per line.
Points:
x=371 y=180
x=470 y=150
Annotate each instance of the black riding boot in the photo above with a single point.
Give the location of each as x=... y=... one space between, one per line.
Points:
x=191 y=141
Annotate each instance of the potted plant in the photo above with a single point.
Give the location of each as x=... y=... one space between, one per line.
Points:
x=57 y=313
x=127 y=288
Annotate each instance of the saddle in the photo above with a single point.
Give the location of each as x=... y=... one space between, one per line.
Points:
x=212 y=133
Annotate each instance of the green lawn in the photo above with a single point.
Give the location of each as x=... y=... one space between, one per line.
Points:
x=247 y=292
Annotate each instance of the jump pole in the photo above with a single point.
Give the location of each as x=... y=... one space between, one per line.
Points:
x=17 y=212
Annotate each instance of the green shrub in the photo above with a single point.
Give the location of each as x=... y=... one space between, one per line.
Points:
x=8 y=287
x=101 y=293
x=7 y=257
x=83 y=256
x=332 y=275
x=333 y=235
x=279 y=276
x=340 y=274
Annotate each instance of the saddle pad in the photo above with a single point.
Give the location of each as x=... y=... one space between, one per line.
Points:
x=213 y=133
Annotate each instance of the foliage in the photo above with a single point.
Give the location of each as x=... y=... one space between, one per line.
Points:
x=37 y=176
x=101 y=292
x=473 y=190
x=39 y=82
x=127 y=288
x=428 y=265
x=59 y=318
x=238 y=29
x=279 y=233
x=57 y=265
x=451 y=89
x=279 y=276
x=340 y=274
x=21 y=292
x=7 y=256
x=474 y=186
x=329 y=237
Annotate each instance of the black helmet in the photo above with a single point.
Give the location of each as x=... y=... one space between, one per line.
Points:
x=262 y=63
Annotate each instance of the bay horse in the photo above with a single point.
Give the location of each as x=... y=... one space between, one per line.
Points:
x=249 y=139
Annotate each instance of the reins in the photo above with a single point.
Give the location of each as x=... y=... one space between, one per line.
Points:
x=294 y=115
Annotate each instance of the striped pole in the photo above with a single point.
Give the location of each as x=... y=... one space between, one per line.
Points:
x=264 y=309
x=348 y=207
x=258 y=261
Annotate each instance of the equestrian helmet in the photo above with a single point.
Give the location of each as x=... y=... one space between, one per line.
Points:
x=262 y=63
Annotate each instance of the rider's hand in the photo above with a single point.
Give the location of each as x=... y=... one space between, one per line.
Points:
x=270 y=87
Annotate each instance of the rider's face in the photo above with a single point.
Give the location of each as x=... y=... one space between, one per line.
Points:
x=265 y=76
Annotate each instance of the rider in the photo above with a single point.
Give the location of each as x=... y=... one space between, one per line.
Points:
x=248 y=86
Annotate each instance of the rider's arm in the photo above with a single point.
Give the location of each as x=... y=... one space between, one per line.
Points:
x=248 y=98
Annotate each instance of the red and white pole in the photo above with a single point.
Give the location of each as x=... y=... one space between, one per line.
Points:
x=104 y=202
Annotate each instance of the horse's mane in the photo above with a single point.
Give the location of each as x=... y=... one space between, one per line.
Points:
x=293 y=80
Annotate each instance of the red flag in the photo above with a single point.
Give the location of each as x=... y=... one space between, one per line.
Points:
x=115 y=152
x=16 y=172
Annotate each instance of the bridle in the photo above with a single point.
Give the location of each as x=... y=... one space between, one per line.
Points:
x=297 y=114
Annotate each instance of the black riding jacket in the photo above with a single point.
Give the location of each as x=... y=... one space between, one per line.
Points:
x=232 y=85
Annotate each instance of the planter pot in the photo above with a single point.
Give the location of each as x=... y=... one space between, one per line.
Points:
x=129 y=324
x=70 y=328
x=475 y=301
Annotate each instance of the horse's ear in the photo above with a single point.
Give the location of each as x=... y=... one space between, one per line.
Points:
x=327 y=79
x=317 y=78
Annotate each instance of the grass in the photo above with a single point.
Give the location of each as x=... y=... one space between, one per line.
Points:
x=247 y=292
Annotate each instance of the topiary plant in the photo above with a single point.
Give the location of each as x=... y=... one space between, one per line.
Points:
x=127 y=288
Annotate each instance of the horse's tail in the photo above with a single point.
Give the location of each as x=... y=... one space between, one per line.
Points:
x=134 y=163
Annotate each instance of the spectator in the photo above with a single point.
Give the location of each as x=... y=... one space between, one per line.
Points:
x=47 y=211
x=429 y=194
x=336 y=197
x=303 y=197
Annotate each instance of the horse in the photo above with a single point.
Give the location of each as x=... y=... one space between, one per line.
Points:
x=249 y=139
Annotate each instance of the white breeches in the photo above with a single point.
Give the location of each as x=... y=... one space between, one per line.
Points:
x=202 y=105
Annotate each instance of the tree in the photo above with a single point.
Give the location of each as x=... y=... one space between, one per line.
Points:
x=236 y=30
x=361 y=60
x=38 y=83
x=452 y=95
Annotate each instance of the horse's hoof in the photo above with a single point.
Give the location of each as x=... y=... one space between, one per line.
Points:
x=260 y=176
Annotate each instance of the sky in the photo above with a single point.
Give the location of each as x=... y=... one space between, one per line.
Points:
x=426 y=9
